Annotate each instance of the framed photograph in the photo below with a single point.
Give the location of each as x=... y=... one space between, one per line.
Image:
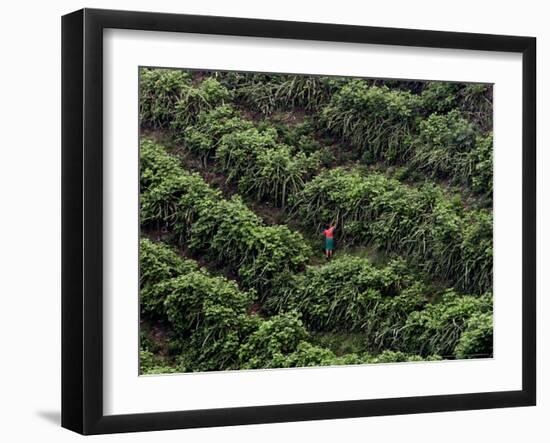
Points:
x=269 y=221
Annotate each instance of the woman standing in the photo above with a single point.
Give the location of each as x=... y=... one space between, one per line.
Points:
x=329 y=240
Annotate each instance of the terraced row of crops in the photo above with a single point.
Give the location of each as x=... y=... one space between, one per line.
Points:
x=442 y=129
x=236 y=290
x=212 y=328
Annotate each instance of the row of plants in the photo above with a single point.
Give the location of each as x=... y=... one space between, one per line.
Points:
x=269 y=93
x=390 y=307
x=440 y=132
x=420 y=223
x=399 y=219
x=448 y=146
x=264 y=169
x=375 y=119
x=207 y=314
x=474 y=100
x=168 y=95
x=252 y=157
x=391 y=125
x=442 y=128
x=213 y=328
x=203 y=136
x=225 y=232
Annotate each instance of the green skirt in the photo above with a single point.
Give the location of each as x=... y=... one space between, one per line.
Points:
x=329 y=244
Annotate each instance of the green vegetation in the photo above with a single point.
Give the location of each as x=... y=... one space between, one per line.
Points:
x=159 y=92
x=391 y=125
x=257 y=165
x=213 y=328
x=168 y=97
x=376 y=120
x=224 y=231
x=158 y=264
x=265 y=93
x=438 y=328
x=449 y=147
x=420 y=223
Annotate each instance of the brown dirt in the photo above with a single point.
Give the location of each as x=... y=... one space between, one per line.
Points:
x=154 y=233
x=218 y=180
x=255 y=308
x=252 y=116
x=290 y=118
x=161 y=136
x=268 y=213
x=158 y=333
x=198 y=76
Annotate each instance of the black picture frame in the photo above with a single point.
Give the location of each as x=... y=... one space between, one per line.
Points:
x=82 y=215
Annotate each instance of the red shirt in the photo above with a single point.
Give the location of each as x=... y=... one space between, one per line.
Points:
x=329 y=233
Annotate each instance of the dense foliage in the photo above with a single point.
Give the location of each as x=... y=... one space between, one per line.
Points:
x=157 y=264
x=388 y=306
x=264 y=169
x=266 y=93
x=377 y=120
x=350 y=294
x=255 y=166
x=473 y=99
x=448 y=146
x=214 y=329
x=202 y=138
x=169 y=97
x=438 y=329
x=421 y=223
x=395 y=126
x=225 y=231
x=159 y=91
